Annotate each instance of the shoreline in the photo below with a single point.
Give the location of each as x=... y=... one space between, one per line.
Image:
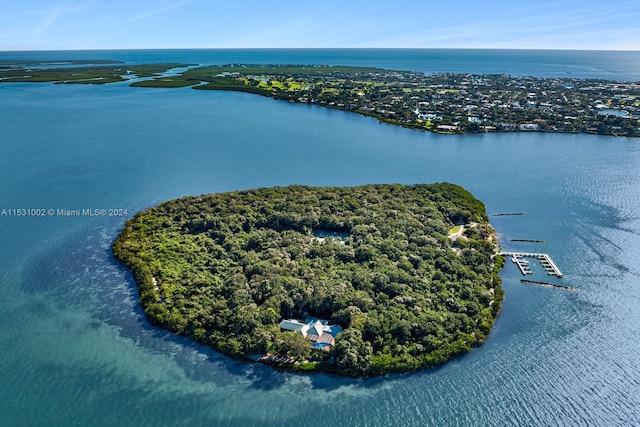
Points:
x=367 y=254
x=447 y=104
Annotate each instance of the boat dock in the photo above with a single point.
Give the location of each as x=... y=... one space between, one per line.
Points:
x=547 y=263
x=522 y=264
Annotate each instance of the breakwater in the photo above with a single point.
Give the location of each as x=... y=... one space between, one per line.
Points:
x=510 y=214
x=553 y=285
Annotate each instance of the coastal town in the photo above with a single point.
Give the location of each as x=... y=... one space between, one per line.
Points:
x=447 y=103
x=443 y=103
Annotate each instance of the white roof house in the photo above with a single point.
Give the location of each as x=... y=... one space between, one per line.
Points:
x=316 y=330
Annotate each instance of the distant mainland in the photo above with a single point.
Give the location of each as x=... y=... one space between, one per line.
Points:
x=442 y=103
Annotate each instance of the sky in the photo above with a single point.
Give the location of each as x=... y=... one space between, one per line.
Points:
x=146 y=24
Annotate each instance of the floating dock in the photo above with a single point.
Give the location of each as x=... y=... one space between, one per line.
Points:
x=522 y=264
x=527 y=240
x=547 y=263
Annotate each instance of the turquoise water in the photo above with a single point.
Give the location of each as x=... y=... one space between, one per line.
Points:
x=74 y=346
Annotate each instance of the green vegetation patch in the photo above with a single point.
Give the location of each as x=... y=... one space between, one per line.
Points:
x=205 y=73
x=455 y=229
x=166 y=82
x=226 y=268
x=265 y=79
x=222 y=83
x=85 y=74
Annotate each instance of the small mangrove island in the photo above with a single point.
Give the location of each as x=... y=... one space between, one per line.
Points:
x=356 y=281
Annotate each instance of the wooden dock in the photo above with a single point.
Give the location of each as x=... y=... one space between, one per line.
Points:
x=547 y=263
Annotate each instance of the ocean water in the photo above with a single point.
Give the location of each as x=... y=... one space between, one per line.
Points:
x=75 y=348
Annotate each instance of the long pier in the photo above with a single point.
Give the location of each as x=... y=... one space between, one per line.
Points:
x=547 y=263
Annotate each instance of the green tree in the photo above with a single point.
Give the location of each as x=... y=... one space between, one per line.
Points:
x=352 y=354
x=292 y=344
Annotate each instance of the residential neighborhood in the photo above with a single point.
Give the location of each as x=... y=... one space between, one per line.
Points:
x=447 y=103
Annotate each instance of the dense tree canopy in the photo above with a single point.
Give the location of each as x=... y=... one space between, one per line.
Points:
x=226 y=268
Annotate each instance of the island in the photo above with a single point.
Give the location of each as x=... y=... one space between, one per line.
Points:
x=355 y=281
x=442 y=103
x=79 y=71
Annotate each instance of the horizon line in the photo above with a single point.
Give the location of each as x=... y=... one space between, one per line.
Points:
x=318 y=48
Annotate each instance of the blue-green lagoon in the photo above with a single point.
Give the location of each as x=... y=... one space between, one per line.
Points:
x=75 y=348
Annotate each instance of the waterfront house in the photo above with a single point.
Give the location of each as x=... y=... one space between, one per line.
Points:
x=321 y=334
